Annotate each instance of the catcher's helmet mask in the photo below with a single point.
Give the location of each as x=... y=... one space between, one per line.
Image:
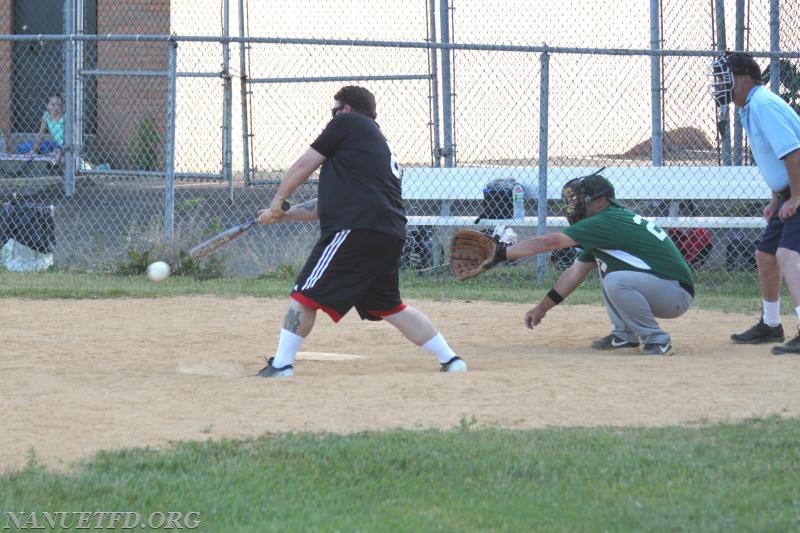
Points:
x=579 y=192
x=724 y=68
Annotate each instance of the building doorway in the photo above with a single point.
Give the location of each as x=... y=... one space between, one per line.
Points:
x=38 y=68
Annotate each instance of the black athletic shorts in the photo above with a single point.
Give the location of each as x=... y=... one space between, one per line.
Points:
x=780 y=233
x=350 y=268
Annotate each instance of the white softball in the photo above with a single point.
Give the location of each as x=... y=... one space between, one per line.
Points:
x=158 y=271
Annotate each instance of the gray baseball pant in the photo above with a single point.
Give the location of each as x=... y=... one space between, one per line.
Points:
x=635 y=299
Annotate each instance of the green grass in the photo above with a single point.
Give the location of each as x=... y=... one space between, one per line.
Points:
x=87 y=285
x=737 y=293
x=729 y=478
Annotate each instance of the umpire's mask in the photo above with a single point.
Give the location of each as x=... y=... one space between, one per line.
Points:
x=724 y=68
x=720 y=83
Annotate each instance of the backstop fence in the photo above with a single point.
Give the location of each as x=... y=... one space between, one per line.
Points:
x=185 y=128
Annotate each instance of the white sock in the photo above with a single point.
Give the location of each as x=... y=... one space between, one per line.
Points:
x=797 y=310
x=440 y=348
x=288 y=346
x=772 y=313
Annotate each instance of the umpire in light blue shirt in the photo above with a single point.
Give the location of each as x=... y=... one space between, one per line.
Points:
x=773 y=130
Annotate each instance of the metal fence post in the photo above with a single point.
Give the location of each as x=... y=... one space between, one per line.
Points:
x=656 y=126
x=169 y=189
x=434 y=87
x=69 y=99
x=541 y=200
x=774 y=45
x=227 y=98
x=79 y=88
x=447 y=94
x=723 y=111
x=738 y=133
x=243 y=92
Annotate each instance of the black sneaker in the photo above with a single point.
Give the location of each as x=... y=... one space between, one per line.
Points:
x=270 y=371
x=656 y=348
x=793 y=346
x=759 y=334
x=612 y=342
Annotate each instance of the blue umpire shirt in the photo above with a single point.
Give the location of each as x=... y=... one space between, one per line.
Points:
x=773 y=129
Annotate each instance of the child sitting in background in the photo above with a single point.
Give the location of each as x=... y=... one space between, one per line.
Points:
x=52 y=123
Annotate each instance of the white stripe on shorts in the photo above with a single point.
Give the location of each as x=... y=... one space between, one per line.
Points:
x=325 y=259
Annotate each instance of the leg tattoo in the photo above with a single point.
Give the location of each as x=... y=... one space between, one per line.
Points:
x=291 y=321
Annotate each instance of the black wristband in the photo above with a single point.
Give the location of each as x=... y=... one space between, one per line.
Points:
x=553 y=295
x=500 y=253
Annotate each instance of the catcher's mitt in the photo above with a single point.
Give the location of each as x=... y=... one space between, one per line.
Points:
x=473 y=252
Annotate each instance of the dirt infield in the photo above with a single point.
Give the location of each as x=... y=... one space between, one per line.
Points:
x=87 y=375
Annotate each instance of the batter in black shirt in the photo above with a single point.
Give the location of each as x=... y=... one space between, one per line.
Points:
x=359 y=182
x=356 y=261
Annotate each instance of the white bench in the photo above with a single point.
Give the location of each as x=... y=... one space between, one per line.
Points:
x=670 y=184
x=27 y=166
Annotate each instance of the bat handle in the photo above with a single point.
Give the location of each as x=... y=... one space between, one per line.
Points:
x=285 y=206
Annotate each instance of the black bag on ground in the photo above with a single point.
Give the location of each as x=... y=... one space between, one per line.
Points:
x=498 y=199
x=29 y=223
x=740 y=253
x=418 y=249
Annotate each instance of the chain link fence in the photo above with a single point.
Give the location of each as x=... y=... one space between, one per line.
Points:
x=182 y=116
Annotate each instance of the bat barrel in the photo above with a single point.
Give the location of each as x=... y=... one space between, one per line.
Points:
x=209 y=245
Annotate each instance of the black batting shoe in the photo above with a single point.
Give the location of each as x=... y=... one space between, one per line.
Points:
x=759 y=334
x=456 y=364
x=270 y=371
x=612 y=342
x=793 y=346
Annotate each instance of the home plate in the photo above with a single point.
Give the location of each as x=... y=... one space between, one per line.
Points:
x=328 y=356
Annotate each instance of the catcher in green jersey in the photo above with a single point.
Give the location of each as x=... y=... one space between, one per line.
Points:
x=643 y=275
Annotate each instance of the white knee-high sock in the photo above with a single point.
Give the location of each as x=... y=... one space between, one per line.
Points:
x=288 y=346
x=772 y=313
x=439 y=347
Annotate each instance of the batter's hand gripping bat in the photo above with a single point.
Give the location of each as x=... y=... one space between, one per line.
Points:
x=209 y=245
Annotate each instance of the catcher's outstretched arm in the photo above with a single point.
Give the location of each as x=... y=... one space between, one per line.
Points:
x=539 y=244
x=473 y=252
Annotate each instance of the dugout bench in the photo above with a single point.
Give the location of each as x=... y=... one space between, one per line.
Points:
x=444 y=187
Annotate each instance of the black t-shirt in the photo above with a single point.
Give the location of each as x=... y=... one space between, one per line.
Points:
x=359 y=183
